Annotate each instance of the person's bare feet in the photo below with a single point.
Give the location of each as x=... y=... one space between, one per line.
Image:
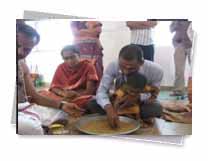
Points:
x=145 y=123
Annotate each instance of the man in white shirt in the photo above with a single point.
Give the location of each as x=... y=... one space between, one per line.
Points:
x=130 y=61
x=141 y=34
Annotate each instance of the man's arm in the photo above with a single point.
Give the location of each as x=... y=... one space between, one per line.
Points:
x=155 y=81
x=102 y=95
x=69 y=108
x=35 y=96
x=141 y=24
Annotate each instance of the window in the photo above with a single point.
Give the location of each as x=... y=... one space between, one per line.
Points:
x=54 y=35
x=162 y=34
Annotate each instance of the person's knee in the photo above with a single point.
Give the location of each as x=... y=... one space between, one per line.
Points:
x=151 y=110
x=93 y=107
x=29 y=126
x=158 y=109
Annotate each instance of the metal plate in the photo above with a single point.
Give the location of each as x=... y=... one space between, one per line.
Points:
x=85 y=120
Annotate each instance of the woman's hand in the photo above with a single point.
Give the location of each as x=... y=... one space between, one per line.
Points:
x=70 y=94
x=72 y=109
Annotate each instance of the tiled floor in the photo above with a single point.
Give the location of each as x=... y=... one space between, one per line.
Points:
x=165 y=95
x=171 y=128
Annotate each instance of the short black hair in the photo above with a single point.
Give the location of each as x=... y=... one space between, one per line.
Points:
x=71 y=48
x=27 y=30
x=131 y=52
x=136 y=80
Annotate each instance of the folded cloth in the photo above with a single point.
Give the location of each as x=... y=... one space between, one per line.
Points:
x=32 y=117
x=183 y=117
x=174 y=106
x=177 y=111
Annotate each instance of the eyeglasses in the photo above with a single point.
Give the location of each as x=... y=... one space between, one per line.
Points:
x=71 y=57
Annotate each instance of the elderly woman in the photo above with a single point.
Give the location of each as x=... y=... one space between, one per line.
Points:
x=75 y=80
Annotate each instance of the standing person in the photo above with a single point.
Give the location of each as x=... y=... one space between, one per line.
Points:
x=34 y=110
x=141 y=35
x=182 y=45
x=86 y=39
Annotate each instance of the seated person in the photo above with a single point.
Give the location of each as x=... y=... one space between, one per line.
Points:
x=35 y=110
x=75 y=80
x=126 y=98
x=130 y=60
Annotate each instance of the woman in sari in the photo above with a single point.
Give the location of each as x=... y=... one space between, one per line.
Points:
x=86 y=38
x=75 y=80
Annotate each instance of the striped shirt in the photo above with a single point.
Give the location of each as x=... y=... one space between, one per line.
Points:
x=141 y=36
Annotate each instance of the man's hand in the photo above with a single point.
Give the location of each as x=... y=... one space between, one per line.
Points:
x=112 y=116
x=72 y=109
x=126 y=101
x=151 y=100
x=122 y=102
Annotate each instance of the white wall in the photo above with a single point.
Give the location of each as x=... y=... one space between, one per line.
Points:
x=115 y=35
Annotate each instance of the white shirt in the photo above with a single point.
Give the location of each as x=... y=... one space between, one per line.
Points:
x=141 y=36
x=152 y=71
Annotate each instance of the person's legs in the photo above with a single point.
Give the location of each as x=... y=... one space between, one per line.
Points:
x=188 y=53
x=93 y=107
x=148 y=52
x=150 y=110
x=180 y=61
x=49 y=115
x=28 y=125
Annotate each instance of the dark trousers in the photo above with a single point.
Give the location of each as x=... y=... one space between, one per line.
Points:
x=148 y=110
x=148 y=52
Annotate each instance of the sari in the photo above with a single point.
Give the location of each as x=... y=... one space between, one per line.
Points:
x=76 y=79
x=89 y=45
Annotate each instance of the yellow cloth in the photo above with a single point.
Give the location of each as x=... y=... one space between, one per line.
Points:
x=126 y=110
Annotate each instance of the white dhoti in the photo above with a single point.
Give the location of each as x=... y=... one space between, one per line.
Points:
x=32 y=117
